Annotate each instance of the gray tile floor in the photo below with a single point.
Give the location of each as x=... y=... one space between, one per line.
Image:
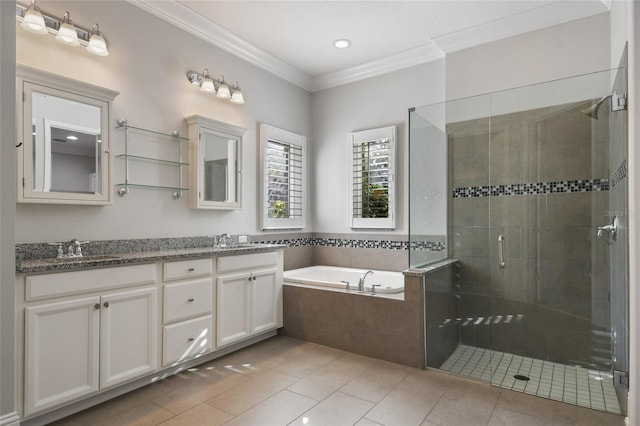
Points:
x=284 y=381
x=571 y=384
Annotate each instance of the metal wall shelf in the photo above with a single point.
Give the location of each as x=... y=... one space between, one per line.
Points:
x=123 y=188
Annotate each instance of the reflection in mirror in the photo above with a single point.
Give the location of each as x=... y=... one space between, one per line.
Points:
x=220 y=165
x=66 y=145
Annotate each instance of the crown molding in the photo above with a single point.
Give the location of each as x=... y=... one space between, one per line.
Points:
x=531 y=20
x=535 y=19
x=194 y=23
x=408 y=58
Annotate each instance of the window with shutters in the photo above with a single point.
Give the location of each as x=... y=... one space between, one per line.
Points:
x=283 y=178
x=372 y=189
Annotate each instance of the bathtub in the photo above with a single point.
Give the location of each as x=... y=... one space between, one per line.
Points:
x=332 y=276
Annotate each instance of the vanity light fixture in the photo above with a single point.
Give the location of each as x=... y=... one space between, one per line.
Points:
x=97 y=45
x=67 y=33
x=34 y=20
x=236 y=94
x=220 y=87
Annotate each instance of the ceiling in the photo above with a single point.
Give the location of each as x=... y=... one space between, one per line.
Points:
x=294 y=39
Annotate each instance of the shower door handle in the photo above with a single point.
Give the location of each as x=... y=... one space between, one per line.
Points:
x=501 y=261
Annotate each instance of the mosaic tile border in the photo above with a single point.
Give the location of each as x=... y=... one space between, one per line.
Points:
x=619 y=174
x=557 y=187
x=365 y=244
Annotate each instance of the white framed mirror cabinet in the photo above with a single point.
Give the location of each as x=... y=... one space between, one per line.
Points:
x=63 y=146
x=215 y=164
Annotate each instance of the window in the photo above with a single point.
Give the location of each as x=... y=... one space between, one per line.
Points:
x=283 y=178
x=372 y=194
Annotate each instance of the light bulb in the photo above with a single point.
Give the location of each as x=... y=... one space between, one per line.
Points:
x=67 y=33
x=236 y=94
x=207 y=83
x=33 y=20
x=223 y=89
x=97 y=45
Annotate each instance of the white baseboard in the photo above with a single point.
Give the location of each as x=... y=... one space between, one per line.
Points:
x=10 y=419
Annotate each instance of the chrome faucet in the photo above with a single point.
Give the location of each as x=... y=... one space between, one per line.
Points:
x=73 y=250
x=224 y=240
x=361 y=281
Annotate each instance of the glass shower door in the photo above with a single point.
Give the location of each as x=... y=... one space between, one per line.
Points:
x=550 y=274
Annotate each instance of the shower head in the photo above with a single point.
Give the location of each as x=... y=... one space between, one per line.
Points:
x=592 y=111
x=618 y=102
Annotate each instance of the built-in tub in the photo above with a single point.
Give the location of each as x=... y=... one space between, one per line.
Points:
x=332 y=277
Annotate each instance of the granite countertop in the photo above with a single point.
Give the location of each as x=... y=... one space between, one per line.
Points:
x=51 y=264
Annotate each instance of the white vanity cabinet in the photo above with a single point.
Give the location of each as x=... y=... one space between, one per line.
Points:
x=91 y=336
x=249 y=296
x=187 y=310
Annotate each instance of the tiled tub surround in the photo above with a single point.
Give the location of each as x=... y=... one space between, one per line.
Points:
x=378 y=326
x=370 y=251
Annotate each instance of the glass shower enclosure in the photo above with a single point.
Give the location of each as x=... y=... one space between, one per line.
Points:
x=521 y=196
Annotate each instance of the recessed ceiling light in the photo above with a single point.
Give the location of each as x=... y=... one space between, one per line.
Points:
x=72 y=138
x=342 y=43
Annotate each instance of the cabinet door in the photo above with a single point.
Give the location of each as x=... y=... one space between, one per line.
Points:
x=128 y=335
x=233 y=308
x=264 y=301
x=61 y=352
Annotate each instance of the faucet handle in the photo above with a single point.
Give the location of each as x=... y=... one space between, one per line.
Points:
x=60 y=253
x=373 y=289
x=348 y=287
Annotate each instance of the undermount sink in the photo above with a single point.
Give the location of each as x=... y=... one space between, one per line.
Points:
x=235 y=246
x=96 y=258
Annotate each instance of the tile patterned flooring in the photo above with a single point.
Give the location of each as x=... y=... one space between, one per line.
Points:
x=284 y=381
x=573 y=385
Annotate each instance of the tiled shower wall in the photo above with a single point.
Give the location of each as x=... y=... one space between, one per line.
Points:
x=541 y=179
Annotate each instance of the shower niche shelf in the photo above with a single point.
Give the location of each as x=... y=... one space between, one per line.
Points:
x=123 y=188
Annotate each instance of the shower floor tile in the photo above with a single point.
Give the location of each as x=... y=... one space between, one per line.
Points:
x=573 y=385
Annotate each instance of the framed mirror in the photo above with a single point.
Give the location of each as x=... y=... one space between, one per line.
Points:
x=215 y=158
x=372 y=196
x=63 y=139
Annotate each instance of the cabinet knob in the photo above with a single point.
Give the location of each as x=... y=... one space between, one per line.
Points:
x=190 y=300
x=97 y=306
x=106 y=304
x=191 y=269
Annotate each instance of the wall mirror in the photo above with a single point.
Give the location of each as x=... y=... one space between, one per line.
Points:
x=372 y=167
x=215 y=154
x=63 y=139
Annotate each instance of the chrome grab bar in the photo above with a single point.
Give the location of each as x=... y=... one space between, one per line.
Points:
x=501 y=260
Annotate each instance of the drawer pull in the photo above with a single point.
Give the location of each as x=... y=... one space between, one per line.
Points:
x=190 y=300
x=191 y=339
x=191 y=269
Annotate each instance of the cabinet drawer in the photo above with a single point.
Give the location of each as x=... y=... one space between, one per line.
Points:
x=187 y=269
x=188 y=299
x=67 y=283
x=186 y=340
x=247 y=261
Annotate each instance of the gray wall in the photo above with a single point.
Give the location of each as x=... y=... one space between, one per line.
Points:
x=7 y=214
x=147 y=64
